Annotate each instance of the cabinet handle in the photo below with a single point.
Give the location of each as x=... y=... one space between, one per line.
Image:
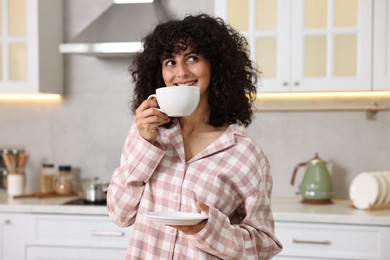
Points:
x=317 y=242
x=296 y=83
x=7 y=221
x=285 y=84
x=107 y=233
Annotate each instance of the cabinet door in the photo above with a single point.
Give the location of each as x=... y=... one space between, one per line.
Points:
x=14 y=232
x=76 y=237
x=30 y=33
x=266 y=26
x=280 y=257
x=331 y=241
x=331 y=45
x=306 y=45
x=72 y=253
x=79 y=231
x=381 y=48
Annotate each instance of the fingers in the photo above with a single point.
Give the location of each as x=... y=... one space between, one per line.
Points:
x=191 y=230
x=203 y=207
x=148 y=119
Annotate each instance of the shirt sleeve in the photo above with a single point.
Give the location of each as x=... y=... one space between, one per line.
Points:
x=138 y=162
x=253 y=237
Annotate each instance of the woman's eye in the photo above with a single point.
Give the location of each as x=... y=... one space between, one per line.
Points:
x=169 y=63
x=192 y=58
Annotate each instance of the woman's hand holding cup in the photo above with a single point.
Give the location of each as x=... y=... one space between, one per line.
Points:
x=148 y=119
x=173 y=101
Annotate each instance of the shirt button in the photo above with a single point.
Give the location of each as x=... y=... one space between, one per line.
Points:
x=175 y=197
x=171 y=230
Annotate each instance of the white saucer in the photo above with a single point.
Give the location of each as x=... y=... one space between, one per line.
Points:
x=387 y=178
x=364 y=190
x=382 y=184
x=176 y=218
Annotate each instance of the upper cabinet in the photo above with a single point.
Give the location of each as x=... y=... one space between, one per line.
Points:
x=381 y=50
x=306 y=45
x=30 y=32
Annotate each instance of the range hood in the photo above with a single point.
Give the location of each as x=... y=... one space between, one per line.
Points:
x=118 y=30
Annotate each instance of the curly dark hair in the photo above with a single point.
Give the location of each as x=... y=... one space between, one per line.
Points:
x=232 y=88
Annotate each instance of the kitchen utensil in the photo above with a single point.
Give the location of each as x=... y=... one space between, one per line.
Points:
x=9 y=161
x=176 y=218
x=22 y=158
x=316 y=186
x=12 y=160
x=40 y=195
x=94 y=190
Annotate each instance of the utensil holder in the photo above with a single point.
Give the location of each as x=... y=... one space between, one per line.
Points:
x=15 y=183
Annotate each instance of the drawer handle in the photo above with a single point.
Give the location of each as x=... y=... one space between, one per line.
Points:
x=107 y=233
x=317 y=242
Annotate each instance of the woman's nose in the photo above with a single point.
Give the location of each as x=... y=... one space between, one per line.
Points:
x=182 y=70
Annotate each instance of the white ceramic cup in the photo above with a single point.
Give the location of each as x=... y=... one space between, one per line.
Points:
x=15 y=184
x=177 y=101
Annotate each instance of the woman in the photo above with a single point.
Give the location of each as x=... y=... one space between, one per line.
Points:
x=168 y=163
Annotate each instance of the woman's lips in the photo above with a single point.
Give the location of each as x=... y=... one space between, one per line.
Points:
x=189 y=83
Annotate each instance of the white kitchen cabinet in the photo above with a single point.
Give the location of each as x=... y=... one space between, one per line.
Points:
x=72 y=253
x=61 y=236
x=13 y=235
x=306 y=45
x=381 y=50
x=76 y=237
x=29 y=58
x=331 y=241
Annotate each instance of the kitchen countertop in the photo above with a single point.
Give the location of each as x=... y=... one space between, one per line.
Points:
x=47 y=205
x=340 y=212
x=284 y=209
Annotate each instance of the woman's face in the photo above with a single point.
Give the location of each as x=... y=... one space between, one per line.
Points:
x=187 y=68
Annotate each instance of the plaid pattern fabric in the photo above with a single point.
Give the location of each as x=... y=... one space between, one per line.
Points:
x=231 y=176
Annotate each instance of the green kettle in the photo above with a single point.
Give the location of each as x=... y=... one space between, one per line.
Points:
x=316 y=186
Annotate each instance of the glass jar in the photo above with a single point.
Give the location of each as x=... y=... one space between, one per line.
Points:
x=63 y=183
x=47 y=178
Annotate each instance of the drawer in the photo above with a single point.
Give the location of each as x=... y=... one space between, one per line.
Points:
x=72 y=253
x=96 y=231
x=331 y=241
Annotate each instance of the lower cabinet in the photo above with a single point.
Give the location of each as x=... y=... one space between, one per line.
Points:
x=332 y=241
x=46 y=236
x=72 y=253
x=82 y=237
x=14 y=234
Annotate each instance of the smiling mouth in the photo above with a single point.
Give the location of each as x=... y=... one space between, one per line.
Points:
x=190 y=83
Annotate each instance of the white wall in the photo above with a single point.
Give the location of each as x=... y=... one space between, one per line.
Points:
x=88 y=128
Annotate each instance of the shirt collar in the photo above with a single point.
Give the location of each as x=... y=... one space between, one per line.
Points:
x=226 y=140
